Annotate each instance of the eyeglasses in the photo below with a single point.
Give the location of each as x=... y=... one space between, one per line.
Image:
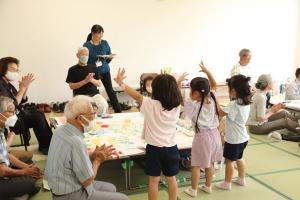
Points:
x=94 y=105
x=90 y=114
x=14 y=70
x=10 y=112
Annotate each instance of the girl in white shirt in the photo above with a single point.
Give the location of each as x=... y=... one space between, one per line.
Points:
x=202 y=109
x=236 y=136
x=161 y=113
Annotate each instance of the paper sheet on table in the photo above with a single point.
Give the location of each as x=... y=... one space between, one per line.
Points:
x=124 y=131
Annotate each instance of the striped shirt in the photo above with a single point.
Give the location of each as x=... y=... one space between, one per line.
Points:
x=68 y=163
x=3 y=149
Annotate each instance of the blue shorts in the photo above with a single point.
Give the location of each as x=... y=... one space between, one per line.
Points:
x=165 y=159
x=234 y=152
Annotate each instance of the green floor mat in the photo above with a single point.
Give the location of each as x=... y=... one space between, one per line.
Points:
x=265 y=158
x=162 y=195
x=292 y=147
x=42 y=195
x=261 y=138
x=253 y=191
x=286 y=182
x=272 y=166
x=254 y=141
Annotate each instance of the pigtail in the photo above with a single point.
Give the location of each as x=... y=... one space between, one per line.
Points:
x=201 y=105
x=215 y=100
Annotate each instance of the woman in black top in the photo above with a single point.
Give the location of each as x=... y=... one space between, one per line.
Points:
x=28 y=119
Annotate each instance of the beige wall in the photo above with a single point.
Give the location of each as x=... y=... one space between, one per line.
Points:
x=147 y=35
x=297 y=55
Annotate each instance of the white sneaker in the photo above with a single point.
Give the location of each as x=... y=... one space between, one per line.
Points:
x=190 y=191
x=206 y=189
x=275 y=136
x=223 y=186
x=240 y=181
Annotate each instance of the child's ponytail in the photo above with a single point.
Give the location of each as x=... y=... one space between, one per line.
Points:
x=215 y=100
x=201 y=105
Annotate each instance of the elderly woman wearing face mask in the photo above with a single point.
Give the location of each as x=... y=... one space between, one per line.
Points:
x=17 y=179
x=9 y=73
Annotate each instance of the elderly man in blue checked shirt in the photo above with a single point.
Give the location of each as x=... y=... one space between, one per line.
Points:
x=70 y=171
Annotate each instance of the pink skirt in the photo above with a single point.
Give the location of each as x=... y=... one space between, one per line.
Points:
x=206 y=148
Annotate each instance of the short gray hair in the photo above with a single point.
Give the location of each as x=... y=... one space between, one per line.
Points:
x=5 y=102
x=82 y=49
x=244 y=52
x=78 y=105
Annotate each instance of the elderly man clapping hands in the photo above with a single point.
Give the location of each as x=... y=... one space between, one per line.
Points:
x=70 y=171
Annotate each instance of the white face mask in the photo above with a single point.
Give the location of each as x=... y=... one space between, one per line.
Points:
x=149 y=89
x=84 y=59
x=90 y=127
x=12 y=76
x=11 y=121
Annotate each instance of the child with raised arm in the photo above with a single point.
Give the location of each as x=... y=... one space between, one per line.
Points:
x=161 y=113
x=202 y=109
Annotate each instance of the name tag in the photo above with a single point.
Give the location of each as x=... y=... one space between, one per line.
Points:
x=99 y=63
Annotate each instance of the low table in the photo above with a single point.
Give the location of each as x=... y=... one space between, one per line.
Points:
x=124 y=132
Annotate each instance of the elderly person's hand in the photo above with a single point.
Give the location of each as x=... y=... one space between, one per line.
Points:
x=26 y=81
x=104 y=153
x=89 y=77
x=33 y=171
x=277 y=107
